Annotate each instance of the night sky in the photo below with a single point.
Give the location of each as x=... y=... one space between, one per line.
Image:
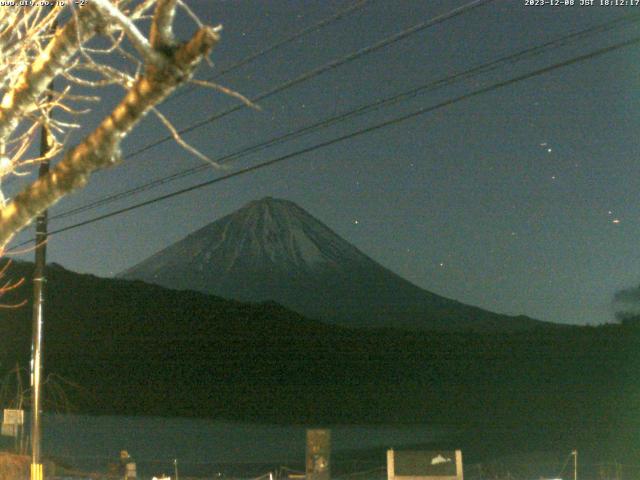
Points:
x=522 y=200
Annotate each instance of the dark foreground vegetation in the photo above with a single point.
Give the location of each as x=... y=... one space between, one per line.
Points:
x=139 y=349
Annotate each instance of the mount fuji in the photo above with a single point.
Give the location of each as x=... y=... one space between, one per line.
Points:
x=273 y=250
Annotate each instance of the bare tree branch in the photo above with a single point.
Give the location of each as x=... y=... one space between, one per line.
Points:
x=112 y=14
x=165 y=65
x=161 y=35
x=51 y=62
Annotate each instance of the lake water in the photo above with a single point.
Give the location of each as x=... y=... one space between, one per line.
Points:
x=211 y=446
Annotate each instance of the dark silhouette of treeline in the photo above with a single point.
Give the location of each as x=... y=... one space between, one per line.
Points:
x=139 y=349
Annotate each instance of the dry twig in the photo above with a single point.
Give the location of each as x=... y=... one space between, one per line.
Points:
x=31 y=58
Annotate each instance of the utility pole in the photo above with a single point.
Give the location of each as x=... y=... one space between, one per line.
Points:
x=39 y=281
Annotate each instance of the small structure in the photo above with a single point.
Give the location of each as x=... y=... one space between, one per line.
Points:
x=127 y=466
x=318 y=465
x=12 y=422
x=424 y=465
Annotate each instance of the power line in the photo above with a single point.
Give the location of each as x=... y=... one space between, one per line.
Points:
x=357 y=133
x=481 y=69
x=334 y=64
x=250 y=58
x=320 y=70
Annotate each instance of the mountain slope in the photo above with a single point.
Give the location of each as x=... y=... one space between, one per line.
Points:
x=142 y=349
x=272 y=249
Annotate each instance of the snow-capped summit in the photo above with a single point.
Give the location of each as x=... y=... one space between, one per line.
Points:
x=278 y=233
x=271 y=249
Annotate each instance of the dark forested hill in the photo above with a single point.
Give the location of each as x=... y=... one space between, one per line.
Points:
x=143 y=349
